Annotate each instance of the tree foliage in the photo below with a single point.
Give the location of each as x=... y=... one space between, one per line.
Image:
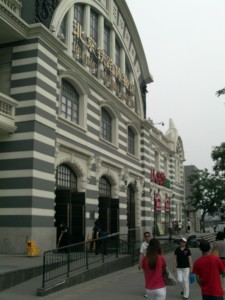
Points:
x=218 y=156
x=220 y=92
x=207 y=192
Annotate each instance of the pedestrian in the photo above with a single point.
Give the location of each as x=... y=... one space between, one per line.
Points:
x=170 y=229
x=201 y=226
x=179 y=228
x=219 y=244
x=63 y=235
x=153 y=264
x=214 y=228
x=143 y=249
x=175 y=227
x=207 y=269
x=183 y=265
x=96 y=235
x=188 y=226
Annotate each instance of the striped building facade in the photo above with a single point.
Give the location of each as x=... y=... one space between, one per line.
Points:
x=75 y=143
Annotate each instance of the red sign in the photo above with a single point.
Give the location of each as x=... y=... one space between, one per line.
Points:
x=157 y=177
x=157 y=203
x=167 y=204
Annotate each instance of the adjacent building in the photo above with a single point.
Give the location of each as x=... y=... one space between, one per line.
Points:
x=191 y=213
x=75 y=141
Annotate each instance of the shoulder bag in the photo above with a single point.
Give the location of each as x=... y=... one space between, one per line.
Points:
x=168 y=277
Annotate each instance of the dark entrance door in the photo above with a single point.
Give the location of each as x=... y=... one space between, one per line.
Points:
x=114 y=215
x=109 y=214
x=70 y=209
x=77 y=218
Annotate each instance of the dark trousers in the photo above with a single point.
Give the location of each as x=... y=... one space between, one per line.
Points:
x=206 y=297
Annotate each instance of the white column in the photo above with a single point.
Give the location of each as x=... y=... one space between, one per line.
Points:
x=101 y=32
x=87 y=12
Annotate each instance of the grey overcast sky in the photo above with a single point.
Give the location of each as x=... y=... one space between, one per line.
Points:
x=184 y=44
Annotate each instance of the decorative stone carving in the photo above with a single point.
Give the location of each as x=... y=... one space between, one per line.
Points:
x=44 y=10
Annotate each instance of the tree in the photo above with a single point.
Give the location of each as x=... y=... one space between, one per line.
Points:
x=220 y=92
x=218 y=156
x=207 y=192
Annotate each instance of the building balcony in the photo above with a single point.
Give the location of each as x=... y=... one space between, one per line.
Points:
x=7 y=115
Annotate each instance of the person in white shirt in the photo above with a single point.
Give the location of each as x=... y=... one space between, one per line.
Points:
x=179 y=228
x=143 y=249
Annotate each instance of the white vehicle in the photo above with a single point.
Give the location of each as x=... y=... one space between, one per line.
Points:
x=220 y=227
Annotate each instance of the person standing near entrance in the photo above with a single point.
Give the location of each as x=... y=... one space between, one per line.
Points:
x=143 y=249
x=96 y=235
x=63 y=235
x=183 y=265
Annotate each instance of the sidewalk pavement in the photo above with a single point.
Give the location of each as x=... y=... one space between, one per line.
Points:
x=16 y=262
x=121 y=285
x=124 y=284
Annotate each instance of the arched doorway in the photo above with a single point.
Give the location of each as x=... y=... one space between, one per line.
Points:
x=131 y=213
x=69 y=204
x=108 y=208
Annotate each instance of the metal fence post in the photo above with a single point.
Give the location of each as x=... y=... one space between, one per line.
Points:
x=43 y=273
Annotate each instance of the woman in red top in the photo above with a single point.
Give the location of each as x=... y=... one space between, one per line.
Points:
x=153 y=264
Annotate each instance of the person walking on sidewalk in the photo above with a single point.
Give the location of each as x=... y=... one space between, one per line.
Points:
x=143 y=250
x=153 y=264
x=183 y=265
x=207 y=269
x=219 y=244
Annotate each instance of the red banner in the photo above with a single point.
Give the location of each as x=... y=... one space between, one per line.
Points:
x=167 y=204
x=157 y=177
x=157 y=203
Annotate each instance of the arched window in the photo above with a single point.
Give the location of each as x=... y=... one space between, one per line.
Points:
x=104 y=187
x=65 y=178
x=79 y=13
x=106 y=126
x=94 y=26
x=131 y=141
x=70 y=102
x=107 y=40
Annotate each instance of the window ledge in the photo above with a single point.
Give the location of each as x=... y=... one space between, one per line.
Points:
x=71 y=124
x=108 y=143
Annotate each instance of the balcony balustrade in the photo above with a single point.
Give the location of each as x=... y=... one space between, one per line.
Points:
x=7 y=114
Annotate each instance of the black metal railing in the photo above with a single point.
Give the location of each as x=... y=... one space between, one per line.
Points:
x=59 y=263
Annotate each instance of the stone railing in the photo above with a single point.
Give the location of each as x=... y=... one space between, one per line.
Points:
x=7 y=114
x=13 y=5
x=6 y=109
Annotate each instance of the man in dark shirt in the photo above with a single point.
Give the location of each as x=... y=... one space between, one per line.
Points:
x=183 y=265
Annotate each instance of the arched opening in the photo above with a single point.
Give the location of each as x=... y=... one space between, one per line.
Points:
x=69 y=204
x=108 y=208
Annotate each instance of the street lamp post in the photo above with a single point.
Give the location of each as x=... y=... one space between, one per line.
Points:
x=154 y=215
x=170 y=220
